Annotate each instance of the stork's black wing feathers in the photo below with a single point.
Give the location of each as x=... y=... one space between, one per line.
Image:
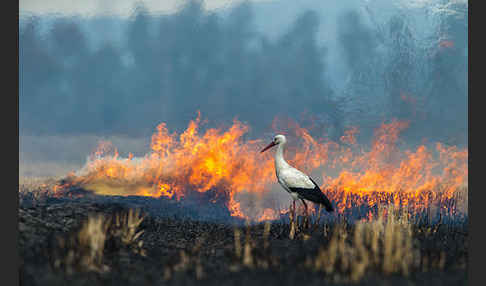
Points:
x=314 y=195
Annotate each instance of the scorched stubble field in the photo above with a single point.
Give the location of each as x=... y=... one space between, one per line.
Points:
x=90 y=239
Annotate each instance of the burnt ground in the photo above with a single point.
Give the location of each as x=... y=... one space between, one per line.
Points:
x=178 y=249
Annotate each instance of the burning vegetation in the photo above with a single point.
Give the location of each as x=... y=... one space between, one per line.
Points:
x=401 y=213
x=222 y=166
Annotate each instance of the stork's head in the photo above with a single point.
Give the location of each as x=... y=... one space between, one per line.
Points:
x=278 y=139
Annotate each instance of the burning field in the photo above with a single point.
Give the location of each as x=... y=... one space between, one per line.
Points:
x=221 y=166
x=204 y=206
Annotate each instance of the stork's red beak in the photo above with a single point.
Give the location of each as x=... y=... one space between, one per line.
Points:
x=268 y=147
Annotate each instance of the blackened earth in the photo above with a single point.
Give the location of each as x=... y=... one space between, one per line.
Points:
x=188 y=244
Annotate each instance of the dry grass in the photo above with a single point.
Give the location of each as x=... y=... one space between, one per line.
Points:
x=391 y=245
x=125 y=227
x=392 y=248
x=252 y=253
x=189 y=262
x=91 y=238
x=84 y=249
x=385 y=245
x=35 y=189
x=347 y=252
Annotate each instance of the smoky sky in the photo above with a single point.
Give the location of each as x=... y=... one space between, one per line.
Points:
x=164 y=68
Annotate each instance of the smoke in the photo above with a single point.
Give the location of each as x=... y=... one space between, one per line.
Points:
x=57 y=155
x=107 y=76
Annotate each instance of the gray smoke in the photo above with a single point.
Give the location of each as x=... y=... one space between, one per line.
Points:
x=339 y=66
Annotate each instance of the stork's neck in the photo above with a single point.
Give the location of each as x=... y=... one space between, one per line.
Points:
x=279 y=159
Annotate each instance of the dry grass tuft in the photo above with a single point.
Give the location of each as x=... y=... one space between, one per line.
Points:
x=293 y=225
x=91 y=238
x=247 y=250
x=385 y=245
x=125 y=227
x=252 y=253
x=34 y=190
x=189 y=262
x=84 y=249
x=237 y=243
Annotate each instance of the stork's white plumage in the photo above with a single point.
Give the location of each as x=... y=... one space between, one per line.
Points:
x=299 y=185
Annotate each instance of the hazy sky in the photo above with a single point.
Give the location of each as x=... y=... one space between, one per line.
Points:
x=114 y=7
x=125 y=8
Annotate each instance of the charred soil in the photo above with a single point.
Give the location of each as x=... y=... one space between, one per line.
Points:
x=99 y=240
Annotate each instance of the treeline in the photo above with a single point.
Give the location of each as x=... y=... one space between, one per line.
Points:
x=194 y=60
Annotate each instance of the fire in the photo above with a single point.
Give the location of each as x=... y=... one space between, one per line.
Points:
x=349 y=136
x=446 y=44
x=227 y=166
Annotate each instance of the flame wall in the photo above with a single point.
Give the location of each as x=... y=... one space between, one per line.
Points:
x=223 y=166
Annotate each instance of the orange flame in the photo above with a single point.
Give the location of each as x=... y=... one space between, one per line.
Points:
x=231 y=166
x=446 y=44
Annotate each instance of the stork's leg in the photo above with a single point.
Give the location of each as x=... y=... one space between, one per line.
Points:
x=305 y=205
x=306 y=219
x=292 y=220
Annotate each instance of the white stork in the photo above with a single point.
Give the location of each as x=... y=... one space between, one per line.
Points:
x=299 y=185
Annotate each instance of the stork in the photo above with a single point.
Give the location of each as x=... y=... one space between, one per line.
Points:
x=299 y=185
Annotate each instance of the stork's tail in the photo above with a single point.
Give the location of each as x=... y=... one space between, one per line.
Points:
x=321 y=198
x=325 y=201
